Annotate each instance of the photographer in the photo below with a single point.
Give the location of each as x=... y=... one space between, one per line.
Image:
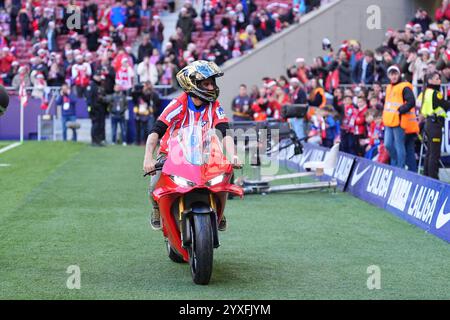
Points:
x=146 y=102
x=118 y=106
x=97 y=103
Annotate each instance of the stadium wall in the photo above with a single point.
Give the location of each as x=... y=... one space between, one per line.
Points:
x=337 y=21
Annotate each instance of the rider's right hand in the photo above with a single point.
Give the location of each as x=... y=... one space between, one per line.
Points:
x=149 y=166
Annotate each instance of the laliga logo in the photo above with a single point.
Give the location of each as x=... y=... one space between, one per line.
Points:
x=442 y=217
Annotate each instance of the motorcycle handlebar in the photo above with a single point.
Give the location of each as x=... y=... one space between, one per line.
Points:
x=158 y=166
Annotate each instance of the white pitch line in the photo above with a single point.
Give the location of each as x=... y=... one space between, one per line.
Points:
x=11 y=146
x=4 y=165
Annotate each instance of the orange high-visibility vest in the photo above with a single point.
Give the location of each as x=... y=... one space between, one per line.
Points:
x=394 y=99
x=409 y=121
x=311 y=109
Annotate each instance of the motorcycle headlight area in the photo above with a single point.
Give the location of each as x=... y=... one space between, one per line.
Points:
x=182 y=182
x=216 y=180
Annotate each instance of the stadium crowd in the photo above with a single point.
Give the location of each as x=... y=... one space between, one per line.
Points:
x=98 y=39
x=95 y=42
x=346 y=87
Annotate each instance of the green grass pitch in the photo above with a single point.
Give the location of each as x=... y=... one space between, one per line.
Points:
x=65 y=204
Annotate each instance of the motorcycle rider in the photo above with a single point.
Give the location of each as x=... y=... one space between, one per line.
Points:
x=197 y=104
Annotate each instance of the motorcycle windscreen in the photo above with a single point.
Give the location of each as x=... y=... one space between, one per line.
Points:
x=196 y=154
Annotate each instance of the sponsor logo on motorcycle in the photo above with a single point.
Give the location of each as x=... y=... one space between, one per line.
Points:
x=379 y=181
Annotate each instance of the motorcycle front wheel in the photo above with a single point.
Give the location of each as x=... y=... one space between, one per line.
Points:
x=201 y=249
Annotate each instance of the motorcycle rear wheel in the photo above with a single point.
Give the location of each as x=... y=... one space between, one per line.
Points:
x=201 y=250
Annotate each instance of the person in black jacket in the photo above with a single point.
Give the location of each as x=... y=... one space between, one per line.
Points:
x=92 y=35
x=343 y=67
x=97 y=105
x=145 y=48
x=24 y=21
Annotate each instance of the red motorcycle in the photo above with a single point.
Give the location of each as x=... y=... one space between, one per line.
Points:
x=191 y=194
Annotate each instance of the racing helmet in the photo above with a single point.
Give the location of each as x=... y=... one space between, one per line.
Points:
x=190 y=76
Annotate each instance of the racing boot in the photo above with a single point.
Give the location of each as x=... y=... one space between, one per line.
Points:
x=222 y=224
x=155 y=220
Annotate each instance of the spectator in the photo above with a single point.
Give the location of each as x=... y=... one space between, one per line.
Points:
x=297 y=96
x=147 y=71
x=276 y=101
x=14 y=13
x=360 y=125
x=443 y=12
x=51 y=37
x=67 y=102
x=90 y=11
x=81 y=73
x=374 y=134
x=224 y=40
x=6 y=59
x=132 y=15
x=125 y=76
x=364 y=69
x=39 y=84
x=317 y=97
x=422 y=19
x=169 y=71
x=7 y=80
x=22 y=78
x=342 y=66
x=241 y=17
x=118 y=14
x=186 y=24
x=92 y=35
x=190 y=9
x=318 y=70
x=302 y=70
x=331 y=127
x=109 y=74
x=117 y=35
x=241 y=105
x=207 y=14
x=24 y=20
x=157 y=33
x=145 y=48
x=55 y=75
x=418 y=66
x=348 y=142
